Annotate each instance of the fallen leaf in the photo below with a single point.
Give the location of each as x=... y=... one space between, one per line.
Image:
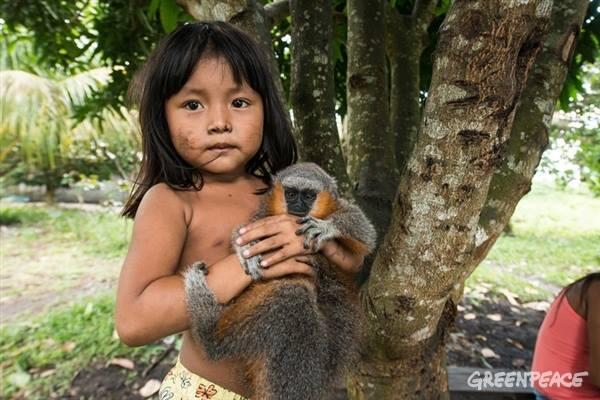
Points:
x=150 y=388
x=515 y=343
x=518 y=362
x=489 y=353
x=19 y=379
x=68 y=346
x=481 y=337
x=122 y=362
x=469 y=316
x=510 y=296
x=538 y=305
x=47 y=372
x=494 y=317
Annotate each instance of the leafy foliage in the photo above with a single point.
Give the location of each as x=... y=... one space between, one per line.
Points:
x=586 y=52
x=42 y=144
x=119 y=34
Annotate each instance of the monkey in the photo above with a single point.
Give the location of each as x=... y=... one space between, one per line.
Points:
x=297 y=335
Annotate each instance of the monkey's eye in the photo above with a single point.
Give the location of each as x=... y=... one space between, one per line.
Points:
x=291 y=194
x=309 y=195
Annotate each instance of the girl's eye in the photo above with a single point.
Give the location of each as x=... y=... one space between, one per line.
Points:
x=192 y=105
x=240 y=103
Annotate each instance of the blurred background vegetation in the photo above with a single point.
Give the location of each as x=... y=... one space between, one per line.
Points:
x=65 y=68
x=66 y=123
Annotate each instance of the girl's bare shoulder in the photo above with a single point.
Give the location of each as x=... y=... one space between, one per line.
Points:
x=165 y=199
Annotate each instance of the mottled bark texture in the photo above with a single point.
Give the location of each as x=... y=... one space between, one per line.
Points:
x=529 y=137
x=312 y=92
x=484 y=53
x=370 y=157
x=406 y=37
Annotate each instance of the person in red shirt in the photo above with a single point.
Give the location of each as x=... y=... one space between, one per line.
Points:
x=566 y=360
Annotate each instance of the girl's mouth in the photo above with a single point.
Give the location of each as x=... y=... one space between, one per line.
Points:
x=221 y=147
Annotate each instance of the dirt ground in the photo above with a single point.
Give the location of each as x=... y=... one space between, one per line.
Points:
x=493 y=334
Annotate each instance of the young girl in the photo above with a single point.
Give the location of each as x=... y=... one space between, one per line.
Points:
x=213 y=130
x=566 y=359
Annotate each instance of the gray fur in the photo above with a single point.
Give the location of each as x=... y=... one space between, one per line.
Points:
x=201 y=300
x=308 y=337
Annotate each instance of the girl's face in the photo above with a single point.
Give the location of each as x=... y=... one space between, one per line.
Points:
x=215 y=124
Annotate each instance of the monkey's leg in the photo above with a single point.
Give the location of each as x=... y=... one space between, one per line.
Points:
x=277 y=327
x=296 y=352
x=343 y=316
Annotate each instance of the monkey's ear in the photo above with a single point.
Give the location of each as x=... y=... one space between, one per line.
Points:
x=325 y=205
x=276 y=202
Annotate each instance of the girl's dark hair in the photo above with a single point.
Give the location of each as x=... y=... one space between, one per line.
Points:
x=167 y=70
x=585 y=281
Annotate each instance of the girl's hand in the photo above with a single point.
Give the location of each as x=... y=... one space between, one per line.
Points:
x=278 y=234
x=293 y=265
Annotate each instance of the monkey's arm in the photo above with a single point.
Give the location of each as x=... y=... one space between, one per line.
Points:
x=347 y=223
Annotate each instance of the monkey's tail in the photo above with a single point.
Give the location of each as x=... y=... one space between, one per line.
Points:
x=294 y=347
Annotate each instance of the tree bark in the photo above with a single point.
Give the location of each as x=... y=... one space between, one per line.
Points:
x=529 y=137
x=371 y=162
x=312 y=92
x=484 y=53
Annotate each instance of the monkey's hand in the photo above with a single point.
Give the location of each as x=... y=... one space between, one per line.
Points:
x=316 y=231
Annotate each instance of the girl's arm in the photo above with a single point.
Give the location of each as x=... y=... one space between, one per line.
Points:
x=151 y=296
x=593 y=326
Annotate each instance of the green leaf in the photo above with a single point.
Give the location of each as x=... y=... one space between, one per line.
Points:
x=153 y=8
x=169 y=11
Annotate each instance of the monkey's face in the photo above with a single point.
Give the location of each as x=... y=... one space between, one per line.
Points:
x=299 y=201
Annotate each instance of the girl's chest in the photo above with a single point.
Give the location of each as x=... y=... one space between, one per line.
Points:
x=212 y=225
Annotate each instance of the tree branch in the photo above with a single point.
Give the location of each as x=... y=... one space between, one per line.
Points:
x=312 y=91
x=423 y=13
x=277 y=11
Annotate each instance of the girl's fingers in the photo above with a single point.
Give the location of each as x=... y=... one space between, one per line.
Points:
x=265 y=245
x=257 y=233
x=274 y=225
x=262 y=222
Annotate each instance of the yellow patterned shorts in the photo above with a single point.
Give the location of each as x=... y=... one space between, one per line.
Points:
x=181 y=384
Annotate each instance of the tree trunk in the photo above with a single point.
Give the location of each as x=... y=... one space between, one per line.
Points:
x=371 y=162
x=484 y=52
x=312 y=92
x=405 y=41
x=529 y=137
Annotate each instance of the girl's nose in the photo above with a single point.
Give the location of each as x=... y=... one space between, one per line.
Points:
x=219 y=122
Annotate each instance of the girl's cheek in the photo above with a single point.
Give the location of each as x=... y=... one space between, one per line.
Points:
x=187 y=140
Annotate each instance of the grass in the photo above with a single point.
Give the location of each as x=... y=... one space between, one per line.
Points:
x=40 y=357
x=98 y=233
x=556 y=239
